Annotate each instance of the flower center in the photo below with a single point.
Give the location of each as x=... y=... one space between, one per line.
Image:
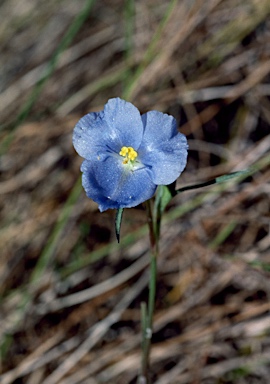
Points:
x=129 y=154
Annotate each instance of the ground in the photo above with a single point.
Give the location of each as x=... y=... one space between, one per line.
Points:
x=70 y=294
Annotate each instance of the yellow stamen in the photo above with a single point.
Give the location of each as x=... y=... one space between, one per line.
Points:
x=124 y=151
x=129 y=153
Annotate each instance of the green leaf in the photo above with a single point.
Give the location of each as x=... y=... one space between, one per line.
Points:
x=229 y=176
x=217 y=180
x=164 y=195
x=118 y=220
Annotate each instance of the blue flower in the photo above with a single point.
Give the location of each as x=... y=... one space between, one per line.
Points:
x=128 y=155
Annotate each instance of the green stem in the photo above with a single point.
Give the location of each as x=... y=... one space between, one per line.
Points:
x=148 y=313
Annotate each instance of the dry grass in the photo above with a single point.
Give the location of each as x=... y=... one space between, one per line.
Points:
x=70 y=296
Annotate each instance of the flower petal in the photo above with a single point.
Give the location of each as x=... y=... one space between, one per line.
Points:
x=89 y=136
x=163 y=149
x=111 y=185
x=99 y=133
x=93 y=190
x=124 y=119
x=158 y=127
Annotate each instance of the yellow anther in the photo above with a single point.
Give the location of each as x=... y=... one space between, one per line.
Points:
x=129 y=153
x=132 y=154
x=124 y=151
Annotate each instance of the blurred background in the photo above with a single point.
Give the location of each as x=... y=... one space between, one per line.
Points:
x=70 y=294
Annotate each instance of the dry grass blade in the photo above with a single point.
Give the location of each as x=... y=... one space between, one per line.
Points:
x=98 y=331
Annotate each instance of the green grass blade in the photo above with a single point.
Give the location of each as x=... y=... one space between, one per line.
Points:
x=51 y=245
x=148 y=56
